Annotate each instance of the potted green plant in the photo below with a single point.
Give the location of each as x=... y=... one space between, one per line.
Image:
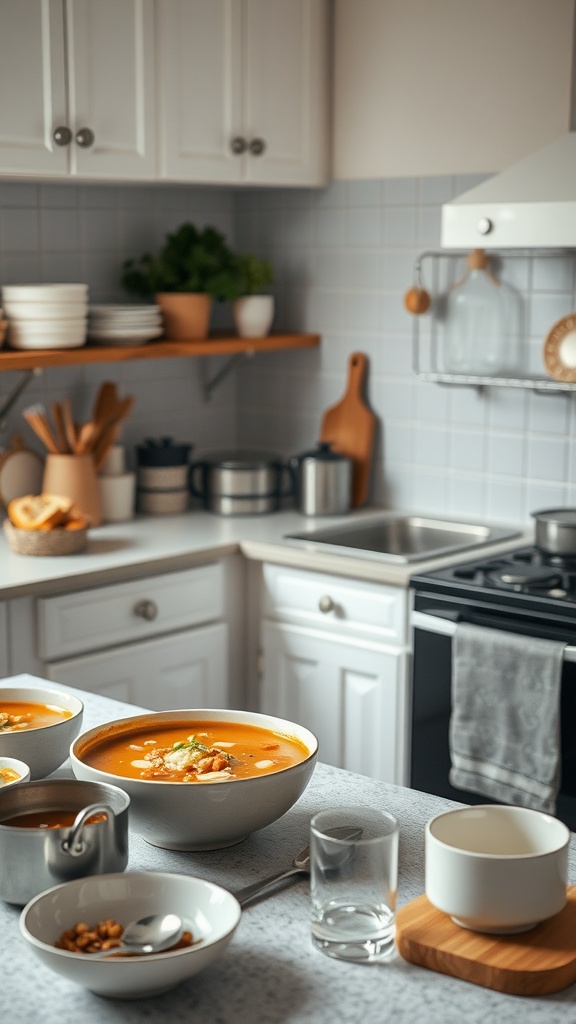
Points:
x=192 y=269
x=253 y=308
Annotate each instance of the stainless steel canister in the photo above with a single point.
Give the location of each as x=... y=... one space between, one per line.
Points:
x=323 y=481
x=34 y=859
x=556 y=531
x=241 y=482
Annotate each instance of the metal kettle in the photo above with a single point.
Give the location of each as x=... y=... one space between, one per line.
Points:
x=323 y=481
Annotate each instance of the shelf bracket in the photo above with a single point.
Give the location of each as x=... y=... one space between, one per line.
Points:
x=16 y=392
x=209 y=385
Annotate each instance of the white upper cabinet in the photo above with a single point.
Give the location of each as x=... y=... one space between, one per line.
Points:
x=449 y=87
x=77 y=81
x=243 y=91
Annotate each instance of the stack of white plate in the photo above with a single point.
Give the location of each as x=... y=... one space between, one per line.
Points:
x=46 y=315
x=124 y=325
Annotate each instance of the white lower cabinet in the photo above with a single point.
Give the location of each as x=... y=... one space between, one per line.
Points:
x=4 y=650
x=161 y=642
x=184 y=670
x=335 y=659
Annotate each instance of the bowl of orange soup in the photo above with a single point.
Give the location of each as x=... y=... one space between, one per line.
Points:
x=200 y=779
x=38 y=725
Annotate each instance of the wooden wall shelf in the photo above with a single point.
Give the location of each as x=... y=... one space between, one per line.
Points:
x=218 y=345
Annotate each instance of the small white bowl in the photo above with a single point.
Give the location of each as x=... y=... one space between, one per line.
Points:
x=211 y=913
x=47 y=747
x=35 y=334
x=22 y=312
x=495 y=868
x=45 y=292
x=12 y=765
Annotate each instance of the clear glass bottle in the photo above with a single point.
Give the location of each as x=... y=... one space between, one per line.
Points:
x=483 y=322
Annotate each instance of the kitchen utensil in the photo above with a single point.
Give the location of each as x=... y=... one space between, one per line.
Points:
x=300 y=866
x=323 y=481
x=34 y=858
x=74 y=476
x=533 y=963
x=560 y=349
x=35 y=416
x=162 y=452
x=152 y=934
x=555 y=530
x=350 y=426
x=20 y=471
x=241 y=482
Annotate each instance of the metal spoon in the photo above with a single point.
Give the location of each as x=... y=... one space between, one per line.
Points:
x=151 y=934
x=300 y=865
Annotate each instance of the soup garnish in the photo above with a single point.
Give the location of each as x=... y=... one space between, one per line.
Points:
x=85 y=938
x=214 y=752
x=8 y=775
x=18 y=715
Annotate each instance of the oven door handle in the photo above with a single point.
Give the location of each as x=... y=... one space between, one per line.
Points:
x=435 y=624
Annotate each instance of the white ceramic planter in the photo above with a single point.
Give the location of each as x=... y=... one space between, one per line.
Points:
x=253 y=315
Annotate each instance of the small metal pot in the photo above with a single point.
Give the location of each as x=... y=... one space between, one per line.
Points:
x=34 y=859
x=241 y=483
x=323 y=481
x=556 y=531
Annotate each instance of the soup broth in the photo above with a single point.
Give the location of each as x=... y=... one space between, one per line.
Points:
x=193 y=752
x=49 y=819
x=16 y=715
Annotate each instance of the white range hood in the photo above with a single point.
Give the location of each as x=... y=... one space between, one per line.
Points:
x=530 y=205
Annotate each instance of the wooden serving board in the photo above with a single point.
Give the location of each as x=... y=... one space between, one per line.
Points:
x=350 y=427
x=532 y=963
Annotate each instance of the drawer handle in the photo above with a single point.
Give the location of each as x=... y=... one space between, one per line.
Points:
x=146 y=610
x=326 y=604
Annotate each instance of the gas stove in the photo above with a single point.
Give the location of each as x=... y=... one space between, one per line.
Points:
x=526 y=576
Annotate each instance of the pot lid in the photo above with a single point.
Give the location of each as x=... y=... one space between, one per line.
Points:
x=323 y=453
x=240 y=459
x=562 y=516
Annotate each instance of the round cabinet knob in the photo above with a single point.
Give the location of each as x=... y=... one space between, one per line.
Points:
x=484 y=225
x=146 y=610
x=257 y=147
x=238 y=145
x=62 y=136
x=85 y=138
x=326 y=604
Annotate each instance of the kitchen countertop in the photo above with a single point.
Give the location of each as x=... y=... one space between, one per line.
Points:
x=162 y=543
x=270 y=973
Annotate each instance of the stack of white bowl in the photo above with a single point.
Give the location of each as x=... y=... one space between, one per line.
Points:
x=124 y=325
x=46 y=315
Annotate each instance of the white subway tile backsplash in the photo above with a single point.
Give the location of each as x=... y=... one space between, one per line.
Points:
x=343 y=258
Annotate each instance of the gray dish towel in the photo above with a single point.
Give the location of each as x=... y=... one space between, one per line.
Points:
x=505 y=723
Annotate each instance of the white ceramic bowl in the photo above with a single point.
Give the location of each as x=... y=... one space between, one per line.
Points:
x=45 y=292
x=21 y=311
x=496 y=868
x=45 y=748
x=12 y=765
x=33 y=334
x=211 y=913
x=203 y=816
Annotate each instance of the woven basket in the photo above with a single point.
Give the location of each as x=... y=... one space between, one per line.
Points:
x=45 y=542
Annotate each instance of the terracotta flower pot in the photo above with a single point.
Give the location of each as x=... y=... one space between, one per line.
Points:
x=186 y=315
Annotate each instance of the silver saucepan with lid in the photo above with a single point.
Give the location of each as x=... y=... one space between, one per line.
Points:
x=556 y=530
x=241 y=482
x=53 y=830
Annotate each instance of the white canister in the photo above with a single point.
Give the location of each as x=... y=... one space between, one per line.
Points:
x=117 y=497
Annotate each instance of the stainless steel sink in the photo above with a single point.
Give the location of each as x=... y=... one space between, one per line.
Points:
x=402 y=538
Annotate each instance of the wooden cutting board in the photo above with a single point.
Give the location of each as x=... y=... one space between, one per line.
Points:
x=532 y=963
x=350 y=427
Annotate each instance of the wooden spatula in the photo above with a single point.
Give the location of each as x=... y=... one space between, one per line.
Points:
x=350 y=427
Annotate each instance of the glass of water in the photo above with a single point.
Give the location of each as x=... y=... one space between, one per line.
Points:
x=353 y=882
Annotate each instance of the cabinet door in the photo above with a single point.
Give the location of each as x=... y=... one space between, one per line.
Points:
x=112 y=87
x=199 y=54
x=4 y=660
x=184 y=670
x=284 y=99
x=350 y=694
x=32 y=87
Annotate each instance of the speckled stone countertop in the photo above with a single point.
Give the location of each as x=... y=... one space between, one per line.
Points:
x=270 y=973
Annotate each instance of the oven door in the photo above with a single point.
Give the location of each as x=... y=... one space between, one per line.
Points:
x=433 y=628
